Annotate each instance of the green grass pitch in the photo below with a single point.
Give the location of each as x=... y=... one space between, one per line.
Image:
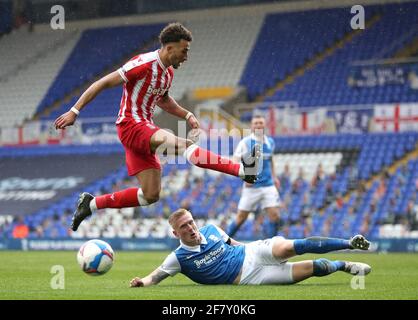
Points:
x=27 y=275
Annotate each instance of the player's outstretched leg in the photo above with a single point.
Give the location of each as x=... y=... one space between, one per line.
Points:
x=323 y=267
x=87 y=204
x=165 y=142
x=303 y=270
x=286 y=249
x=324 y=245
x=246 y=170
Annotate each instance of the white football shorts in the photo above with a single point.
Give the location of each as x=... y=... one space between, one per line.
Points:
x=267 y=197
x=260 y=267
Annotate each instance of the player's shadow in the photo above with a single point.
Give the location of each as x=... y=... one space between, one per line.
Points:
x=338 y=284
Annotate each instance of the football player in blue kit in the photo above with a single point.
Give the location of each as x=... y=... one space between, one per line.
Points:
x=263 y=192
x=209 y=256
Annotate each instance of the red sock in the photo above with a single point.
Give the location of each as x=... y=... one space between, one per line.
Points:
x=121 y=199
x=206 y=159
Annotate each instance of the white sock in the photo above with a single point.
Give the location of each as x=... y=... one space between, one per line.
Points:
x=141 y=199
x=241 y=171
x=189 y=151
x=93 y=205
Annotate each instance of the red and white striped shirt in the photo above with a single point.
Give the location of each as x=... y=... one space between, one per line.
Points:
x=146 y=81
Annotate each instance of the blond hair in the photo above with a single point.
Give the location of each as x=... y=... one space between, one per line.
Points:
x=176 y=215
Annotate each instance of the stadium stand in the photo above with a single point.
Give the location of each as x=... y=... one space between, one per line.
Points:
x=6 y=23
x=96 y=51
x=326 y=83
x=222 y=67
x=29 y=63
x=284 y=38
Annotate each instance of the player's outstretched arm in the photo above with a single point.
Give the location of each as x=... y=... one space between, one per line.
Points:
x=171 y=106
x=67 y=119
x=153 y=278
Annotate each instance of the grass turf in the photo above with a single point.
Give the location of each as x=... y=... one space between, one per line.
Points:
x=27 y=275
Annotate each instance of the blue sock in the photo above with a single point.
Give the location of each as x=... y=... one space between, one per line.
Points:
x=323 y=267
x=272 y=229
x=232 y=229
x=319 y=245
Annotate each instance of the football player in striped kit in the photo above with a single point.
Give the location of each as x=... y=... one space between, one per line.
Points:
x=146 y=80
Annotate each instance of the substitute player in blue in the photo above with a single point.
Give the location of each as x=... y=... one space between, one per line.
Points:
x=264 y=191
x=209 y=256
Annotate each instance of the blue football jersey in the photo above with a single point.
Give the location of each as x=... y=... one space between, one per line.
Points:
x=212 y=262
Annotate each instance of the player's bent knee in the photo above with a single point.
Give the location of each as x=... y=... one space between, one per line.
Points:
x=182 y=145
x=152 y=197
x=152 y=200
x=283 y=249
x=302 y=270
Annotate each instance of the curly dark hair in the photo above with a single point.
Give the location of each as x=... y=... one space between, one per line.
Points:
x=174 y=32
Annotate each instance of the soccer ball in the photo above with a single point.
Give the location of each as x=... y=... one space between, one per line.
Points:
x=95 y=257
